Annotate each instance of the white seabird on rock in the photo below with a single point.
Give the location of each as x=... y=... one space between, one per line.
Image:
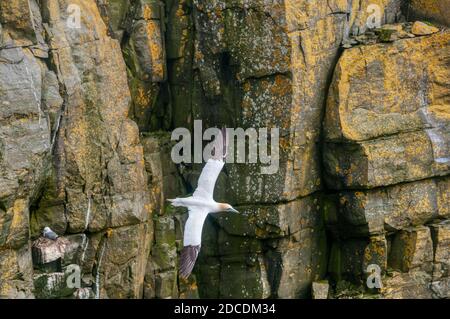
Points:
x=200 y=204
x=50 y=234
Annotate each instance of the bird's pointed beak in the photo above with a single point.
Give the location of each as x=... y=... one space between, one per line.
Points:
x=232 y=210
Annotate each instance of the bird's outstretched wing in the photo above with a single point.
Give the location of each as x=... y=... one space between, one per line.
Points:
x=192 y=240
x=212 y=169
x=208 y=178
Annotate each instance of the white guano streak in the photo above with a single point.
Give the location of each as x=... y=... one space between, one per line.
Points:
x=97 y=276
x=33 y=89
x=88 y=214
x=438 y=141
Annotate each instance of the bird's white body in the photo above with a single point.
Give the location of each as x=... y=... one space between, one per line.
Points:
x=198 y=211
x=198 y=203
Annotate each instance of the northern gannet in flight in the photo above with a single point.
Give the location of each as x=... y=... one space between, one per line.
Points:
x=200 y=204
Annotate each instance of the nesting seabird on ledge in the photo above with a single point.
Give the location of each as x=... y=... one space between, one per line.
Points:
x=50 y=234
x=200 y=204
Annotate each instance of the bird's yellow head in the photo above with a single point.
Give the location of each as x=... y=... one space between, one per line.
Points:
x=227 y=208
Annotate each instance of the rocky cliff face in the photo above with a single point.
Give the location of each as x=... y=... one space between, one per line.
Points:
x=90 y=91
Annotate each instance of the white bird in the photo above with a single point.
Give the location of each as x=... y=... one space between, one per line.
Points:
x=50 y=234
x=200 y=204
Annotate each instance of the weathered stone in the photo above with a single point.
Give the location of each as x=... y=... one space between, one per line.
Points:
x=362 y=14
x=149 y=282
x=18 y=20
x=392 y=208
x=166 y=285
x=109 y=132
x=348 y=290
x=231 y=52
x=25 y=132
x=421 y=28
x=47 y=250
x=350 y=259
x=266 y=267
x=144 y=52
x=16 y=275
x=116 y=12
x=74 y=248
x=320 y=290
x=441 y=242
x=52 y=285
x=98 y=179
x=415 y=285
x=307 y=248
x=441 y=288
x=411 y=249
x=347 y=120
x=374 y=130
x=253 y=281
x=164 y=182
x=188 y=289
x=147 y=49
x=179 y=31
x=273 y=221
x=14 y=225
x=83 y=293
x=121 y=262
x=227 y=40
x=50 y=210
x=382 y=162
x=386 y=35
x=51 y=99
x=441 y=268
x=164 y=179
x=25 y=141
x=208 y=269
x=430 y=10
x=164 y=250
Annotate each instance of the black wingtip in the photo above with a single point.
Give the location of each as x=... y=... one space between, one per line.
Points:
x=188 y=258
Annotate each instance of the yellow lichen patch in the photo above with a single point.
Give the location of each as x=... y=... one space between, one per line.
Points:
x=19 y=228
x=142 y=98
x=156 y=49
x=9 y=267
x=440 y=111
x=180 y=12
x=282 y=86
x=386 y=100
x=431 y=6
x=19 y=213
x=109 y=232
x=147 y=14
